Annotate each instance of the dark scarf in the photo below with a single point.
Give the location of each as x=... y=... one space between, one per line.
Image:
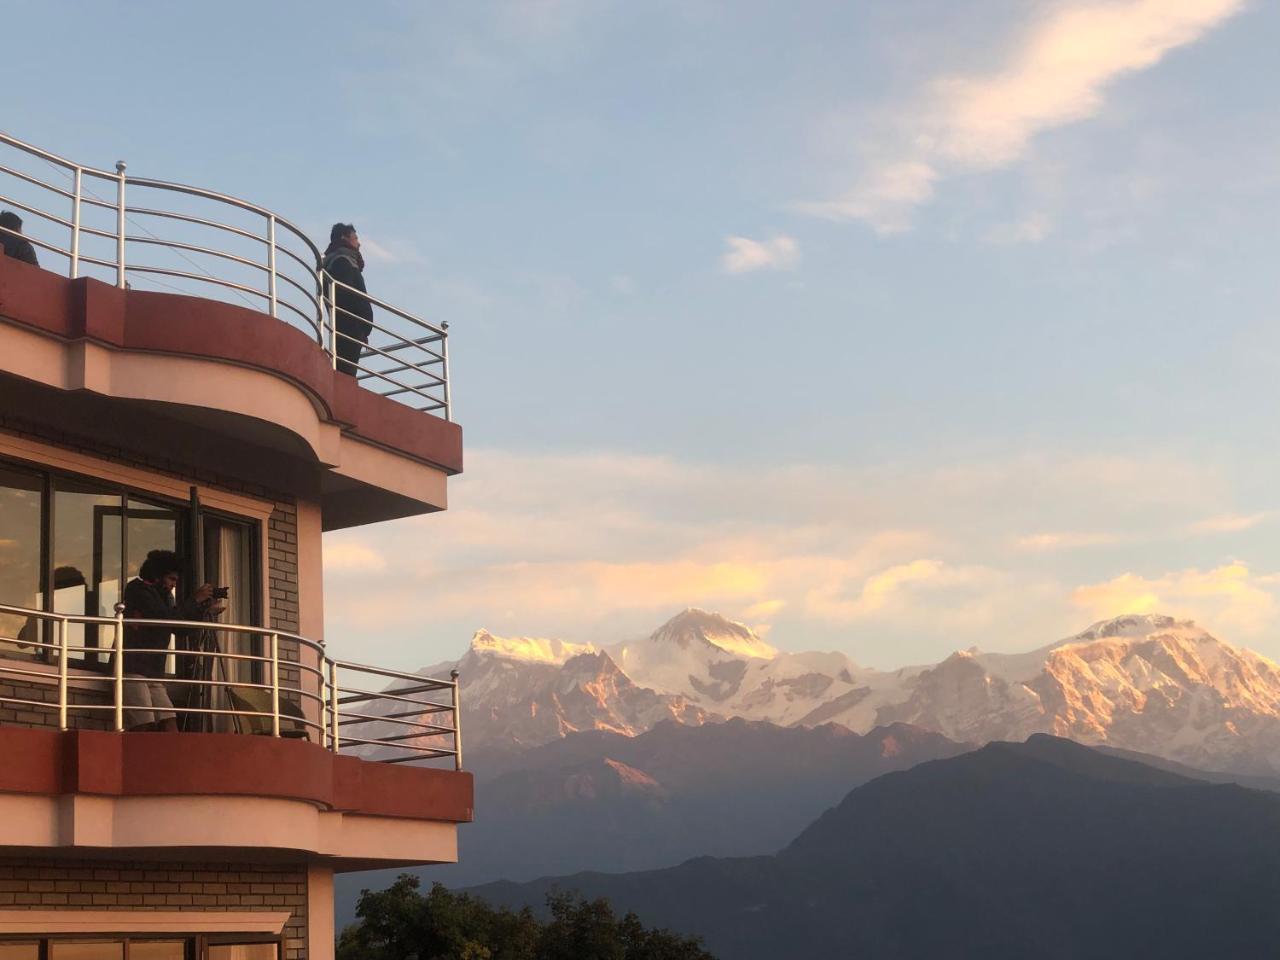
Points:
x=339 y=249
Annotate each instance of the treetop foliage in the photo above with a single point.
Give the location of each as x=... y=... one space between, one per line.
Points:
x=401 y=923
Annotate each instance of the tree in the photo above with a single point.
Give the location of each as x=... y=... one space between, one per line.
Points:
x=400 y=923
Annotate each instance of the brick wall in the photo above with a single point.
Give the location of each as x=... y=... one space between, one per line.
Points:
x=48 y=884
x=24 y=715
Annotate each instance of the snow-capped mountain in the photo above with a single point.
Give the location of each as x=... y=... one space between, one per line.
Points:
x=1147 y=683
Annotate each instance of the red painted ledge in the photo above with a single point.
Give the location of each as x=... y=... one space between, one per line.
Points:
x=52 y=762
x=147 y=321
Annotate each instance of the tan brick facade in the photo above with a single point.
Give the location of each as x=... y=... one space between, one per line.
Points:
x=44 y=884
x=22 y=715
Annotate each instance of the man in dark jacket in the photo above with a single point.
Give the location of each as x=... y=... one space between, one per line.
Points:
x=15 y=245
x=342 y=261
x=149 y=596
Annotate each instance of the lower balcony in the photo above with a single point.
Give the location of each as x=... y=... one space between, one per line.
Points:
x=281 y=752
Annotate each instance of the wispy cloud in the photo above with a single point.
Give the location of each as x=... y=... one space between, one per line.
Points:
x=743 y=255
x=601 y=546
x=1229 y=595
x=1057 y=74
x=1064 y=540
x=1030 y=229
x=1230 y=522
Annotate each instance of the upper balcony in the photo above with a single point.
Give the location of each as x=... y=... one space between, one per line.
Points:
x=215 y=314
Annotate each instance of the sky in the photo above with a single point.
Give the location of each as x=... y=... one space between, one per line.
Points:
x=892 y=328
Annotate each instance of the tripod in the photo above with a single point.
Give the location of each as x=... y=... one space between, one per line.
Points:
x=202 y=668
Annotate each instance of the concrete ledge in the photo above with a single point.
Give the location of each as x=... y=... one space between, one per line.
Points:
x=95 y=763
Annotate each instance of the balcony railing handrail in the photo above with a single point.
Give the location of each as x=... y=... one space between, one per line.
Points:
x=329 y=699
x=312 y=303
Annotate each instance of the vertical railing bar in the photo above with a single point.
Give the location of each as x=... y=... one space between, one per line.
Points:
x=62 y=672
x=275 y=685
x=457 y=720
x=120 y=168
x=75 y=225
x=271 y=262
x=118 y=679
x=335 y=737
x=333 y=325
x=444 y=354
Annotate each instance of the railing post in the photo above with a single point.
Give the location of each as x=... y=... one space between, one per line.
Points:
x=457 y=720
x=75 y=224
x=275 y=685
x=62 y=673
x=444 y=355
x=335 y=741
x=271 y=261
x=120 y=282
x=333 y=322
x=118 y=680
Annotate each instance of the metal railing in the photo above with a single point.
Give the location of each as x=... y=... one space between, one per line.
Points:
x=262 y=260
x=289 y=688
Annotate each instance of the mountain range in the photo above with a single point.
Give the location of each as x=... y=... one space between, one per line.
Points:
x=1146 y=683
x=600 y=800
x=1038 y=849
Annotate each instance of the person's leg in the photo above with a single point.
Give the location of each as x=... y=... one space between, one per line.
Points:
x=166 y=719
x=138 y=716
x=355 y=334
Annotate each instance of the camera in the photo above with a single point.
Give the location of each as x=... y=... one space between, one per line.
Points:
x=220 y=593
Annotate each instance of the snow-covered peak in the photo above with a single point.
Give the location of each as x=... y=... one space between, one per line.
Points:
x=527 y=649
x=694 y=627
x=1135 y=625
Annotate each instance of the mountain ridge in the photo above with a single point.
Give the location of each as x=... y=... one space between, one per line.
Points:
x=1147 y=683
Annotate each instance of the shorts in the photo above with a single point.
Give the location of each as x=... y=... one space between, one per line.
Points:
x=146 y=701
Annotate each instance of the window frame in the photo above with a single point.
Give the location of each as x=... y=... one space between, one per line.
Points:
x=195 y=946
x=48 y=477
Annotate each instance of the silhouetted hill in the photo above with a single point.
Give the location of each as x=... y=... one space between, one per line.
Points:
x=602 y=801
x=1041 y=849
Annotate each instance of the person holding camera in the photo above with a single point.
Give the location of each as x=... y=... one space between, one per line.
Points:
x=150 y=596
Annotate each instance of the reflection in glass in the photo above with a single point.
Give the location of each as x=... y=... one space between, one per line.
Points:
x=21 y=513
x=151 y=527
x=20 y=951
x=244 y=951
x=157 y=949
x=86 y=950
x=86 y=560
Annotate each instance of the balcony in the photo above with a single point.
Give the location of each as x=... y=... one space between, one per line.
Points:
x=193 y=241
x=208 y=315
x=292 y=689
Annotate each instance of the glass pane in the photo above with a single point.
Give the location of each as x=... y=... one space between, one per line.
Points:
x=86 y=950
x=152 y=526
x=19 y=951
x=244 y=951
x=157 y=949
x=21 y=519
x=86 y=559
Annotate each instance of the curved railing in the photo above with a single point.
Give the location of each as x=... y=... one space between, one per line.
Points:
x=191 y=240
x=290 y=689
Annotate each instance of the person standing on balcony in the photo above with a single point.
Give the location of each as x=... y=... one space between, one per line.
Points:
x=342 y=262
x=16 y=245
x=150 y=596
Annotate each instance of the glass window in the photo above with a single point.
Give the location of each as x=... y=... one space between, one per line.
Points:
x=152 y=526
x=21 y=521
x=86 y=950
x=157 y=949
x=244 y=951
x=20 y=951
x=87 y=553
